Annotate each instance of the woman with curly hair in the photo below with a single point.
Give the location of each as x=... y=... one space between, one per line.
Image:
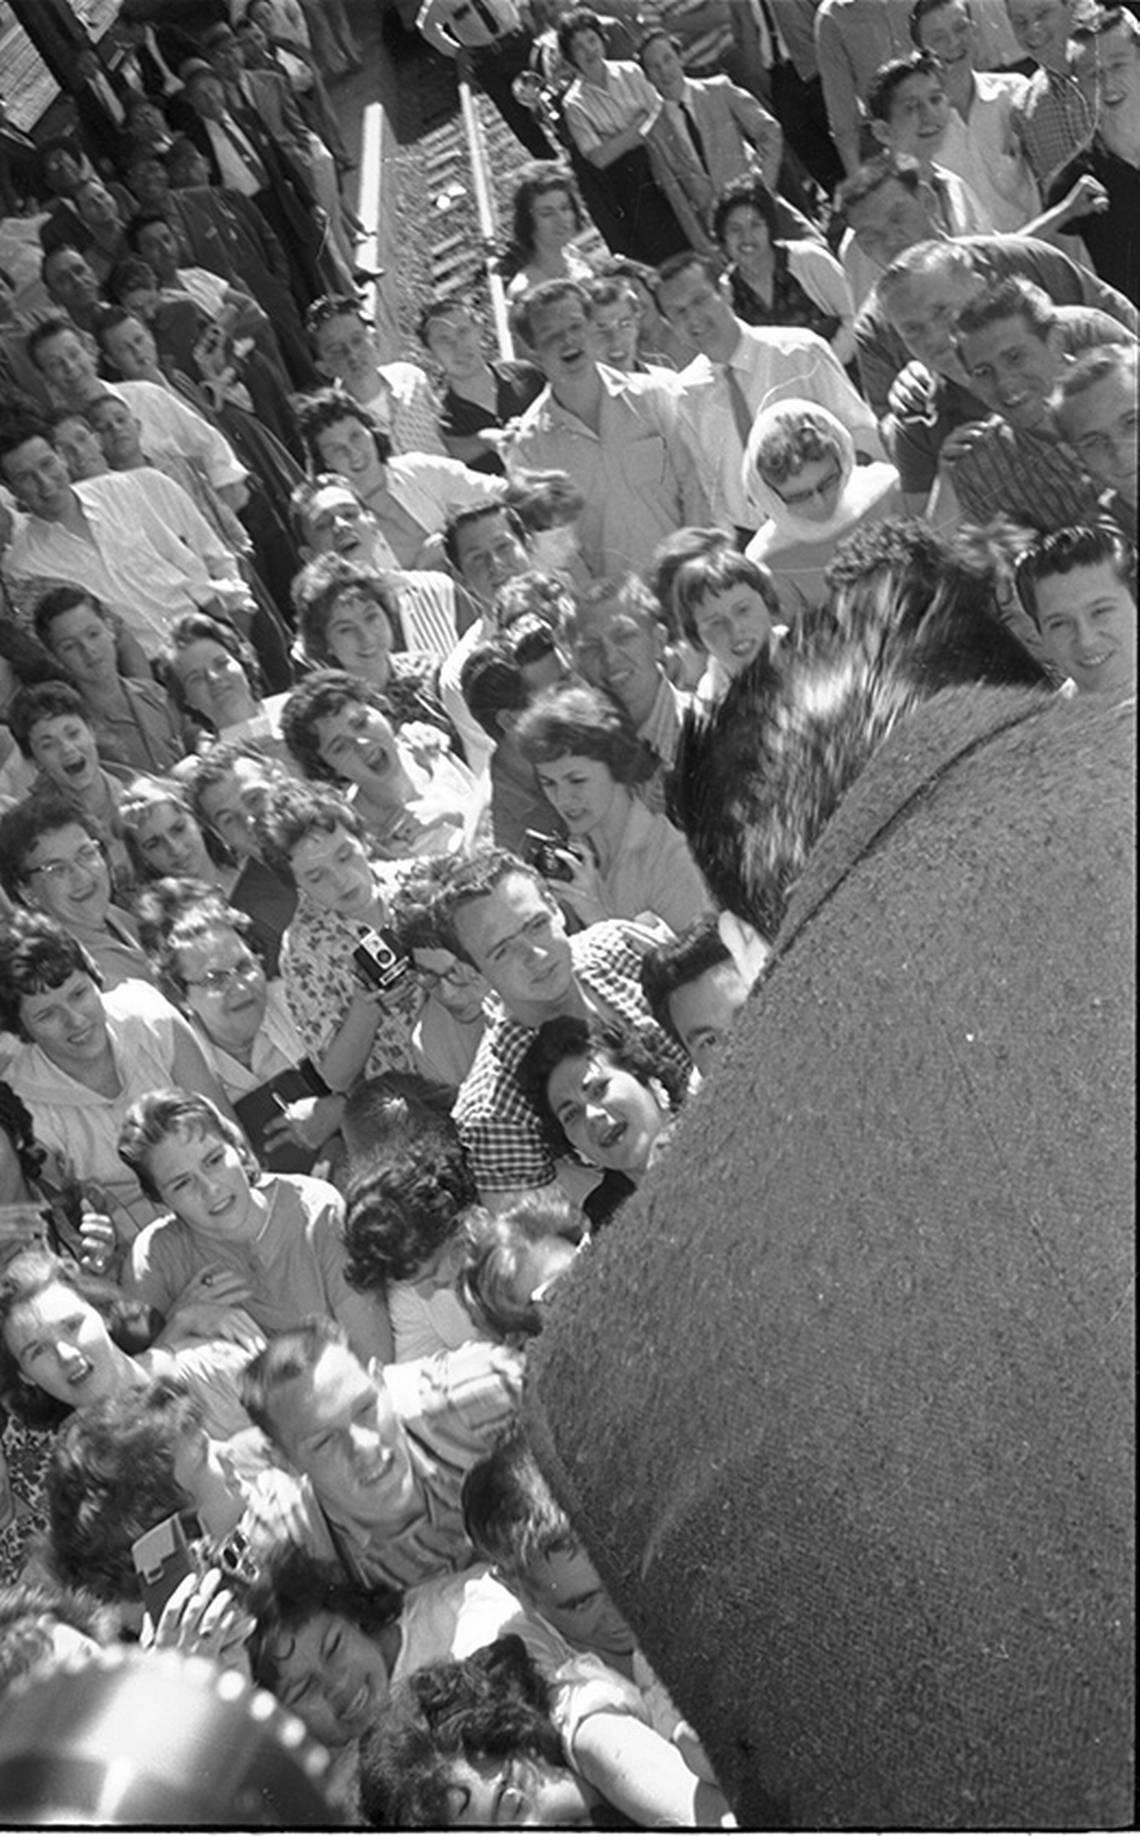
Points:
x=412 y=796
x=604 y=1096
x=209 y=669
x=621 y=860
x=547 y=217
x=406 y=1201
x=491 y=1741
x=352 y=1025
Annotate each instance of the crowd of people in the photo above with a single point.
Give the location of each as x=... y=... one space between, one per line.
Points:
x=393 y=817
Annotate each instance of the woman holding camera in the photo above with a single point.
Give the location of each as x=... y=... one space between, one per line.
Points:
x=353 y=998
x=622 y=860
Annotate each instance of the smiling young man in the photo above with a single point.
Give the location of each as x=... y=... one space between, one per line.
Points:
x=132 y=718
x=616 y=639
x=397 y=396
x=740 y=369
x=410 y=494
x=1079 y=588
x=499 y=916
x=616 y=436
x=1012 y=350
x=134 y=539
x=979 y=143
x=386 y=1450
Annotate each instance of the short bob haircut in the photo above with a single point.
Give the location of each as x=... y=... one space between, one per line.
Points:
x=293 y=1587
x=36 y=954
x=581 y=721
x=321 y=410
x=1062 y=550
x=797 y=436
x=750 y=193
x=292 y=812
x=194 y=628
x=43 y=701
x=570 y=1037
x=162 y=1113
x=130 y=1325
x=668 y=560
x=60 y=600
x=717 y=571
x=536 y=180
x=579 y=19
x=319 y=587
x=28 y=823
x=111 y=1479
x=318 y=698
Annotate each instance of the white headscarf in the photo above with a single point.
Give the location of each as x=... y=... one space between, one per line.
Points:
x=861 y=486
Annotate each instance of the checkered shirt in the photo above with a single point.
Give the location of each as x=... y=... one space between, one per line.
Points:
x=504 y=1138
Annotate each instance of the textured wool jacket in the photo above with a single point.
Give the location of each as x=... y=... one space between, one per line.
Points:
x=842 y=1401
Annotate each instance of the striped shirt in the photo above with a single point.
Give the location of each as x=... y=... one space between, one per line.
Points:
x=1031 y=477
x=452 y=1408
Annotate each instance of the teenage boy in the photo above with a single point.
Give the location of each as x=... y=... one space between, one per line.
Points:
x=397 y=396
x=1079 y=588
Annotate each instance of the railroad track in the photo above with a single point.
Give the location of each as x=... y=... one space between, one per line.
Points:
x=452 y=171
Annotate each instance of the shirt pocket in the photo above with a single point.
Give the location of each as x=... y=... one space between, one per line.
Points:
x=645 y=464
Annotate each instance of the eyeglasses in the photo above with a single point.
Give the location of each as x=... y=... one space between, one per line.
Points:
x=85 y=859
x=216 y=981
x=794 y=498
x=457 y=975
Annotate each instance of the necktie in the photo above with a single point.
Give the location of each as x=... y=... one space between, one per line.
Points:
x=695 y=134
x=244 y=150
x=738 y=402
x=770 y=27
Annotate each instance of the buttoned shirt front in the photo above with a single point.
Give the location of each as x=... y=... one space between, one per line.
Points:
x=151 y=556
x=503 y=1137
x=770 y=364
x=637 y=477
x=985 y=151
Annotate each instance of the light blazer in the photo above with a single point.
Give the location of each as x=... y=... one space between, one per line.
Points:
x=738 y=135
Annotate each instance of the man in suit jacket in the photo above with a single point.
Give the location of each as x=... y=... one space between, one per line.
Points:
x=244 y=157
x=708 y=132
